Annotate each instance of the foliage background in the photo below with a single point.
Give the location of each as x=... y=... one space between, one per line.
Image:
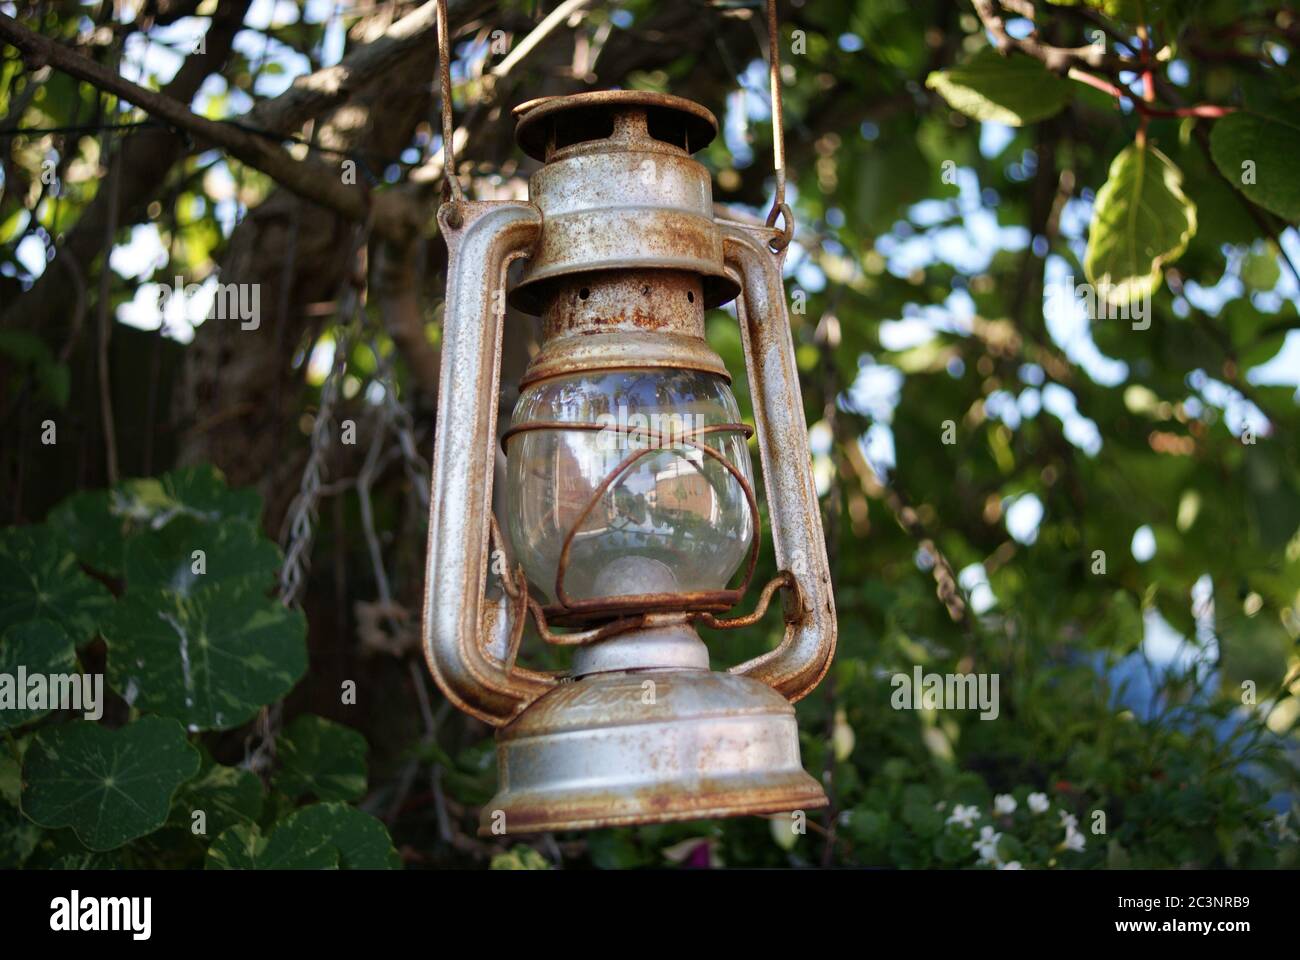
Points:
x=975 y=445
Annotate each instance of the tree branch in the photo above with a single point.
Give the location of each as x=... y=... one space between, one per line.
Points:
x=308 y=179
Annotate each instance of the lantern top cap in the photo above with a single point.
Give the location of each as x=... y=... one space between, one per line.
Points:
x=588 y=116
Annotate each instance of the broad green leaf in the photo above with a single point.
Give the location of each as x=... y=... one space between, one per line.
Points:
x=41 y=648
x=1257 y=155
x=1013 y=90
x=97 y=535
x=321 y=758
x=18 y=838
x=211 y=659
x=189 y=554
x=320 y=837
x=1260 y=270
x=227 y=796
x=523 y=857
x=39 y=577
x=198 y=492
x=109 y=786
x=1141 y=221
x=11 y=776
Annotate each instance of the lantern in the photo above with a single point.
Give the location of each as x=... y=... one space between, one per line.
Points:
x=630 y=488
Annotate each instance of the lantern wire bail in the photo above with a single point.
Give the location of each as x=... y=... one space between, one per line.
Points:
x=449 y=178
x=779 y=206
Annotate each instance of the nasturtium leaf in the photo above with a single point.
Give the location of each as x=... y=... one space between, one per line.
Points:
x=33 y=648
x=18 y=838
x=323 y=836
x=97 y=536
x=227 y=797
x=1141 y=221
x=109 y=786
x=11 y=777
x=189 y=554
x=321 y=758
x=198 y=492
x=39 y=577
x=1014 y=90
x=211 y=659
x=1257 y=154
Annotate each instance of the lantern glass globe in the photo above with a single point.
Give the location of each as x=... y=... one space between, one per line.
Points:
x=674 y=520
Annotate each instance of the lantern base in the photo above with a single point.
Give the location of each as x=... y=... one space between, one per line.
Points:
x=648 y=746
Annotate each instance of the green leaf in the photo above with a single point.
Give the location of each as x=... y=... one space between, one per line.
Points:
x=39 y=577
x=170 y=559
x=1141 y=221
x=41 y=647
x=320 y=837
x=211 y=659
x=199 y=492
x=97 y=535
x=18 y=838
x=109 y=786
x=1014 y=90
x=228 y=797
x=1260 y=269
x=324 y=759
x=1257 y=156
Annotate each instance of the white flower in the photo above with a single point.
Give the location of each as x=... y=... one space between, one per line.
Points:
x=1013 y=865
x=1004 y=803
x=1038 y=802
x=987 y=845
x=1069 y=821
x=1073 y=839
x=1279 y=823
x=964 y=815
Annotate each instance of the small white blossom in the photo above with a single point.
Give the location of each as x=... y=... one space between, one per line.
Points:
x=1279 y=824
x=964 y=815
x=1038 y=802
x=1004 y=803
x=1069 y=821
x=1012 y=865
x=1073 y=839
x=987 y=845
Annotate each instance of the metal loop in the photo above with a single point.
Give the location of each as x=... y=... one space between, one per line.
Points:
x=782 y=240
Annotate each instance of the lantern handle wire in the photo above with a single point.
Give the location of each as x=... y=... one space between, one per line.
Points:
x=449 y=178
x=779 y=207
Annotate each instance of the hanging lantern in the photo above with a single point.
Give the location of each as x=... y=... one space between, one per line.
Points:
x=630 y=495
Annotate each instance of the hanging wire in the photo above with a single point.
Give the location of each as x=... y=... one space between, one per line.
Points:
x=779 y=206
x=448 y=132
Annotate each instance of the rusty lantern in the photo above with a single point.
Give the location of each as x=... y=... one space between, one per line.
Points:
x=629 y=487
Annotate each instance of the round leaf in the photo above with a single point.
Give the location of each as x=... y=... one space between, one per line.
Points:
x=109 y=786
x=39 y=577
x=38 y=647
x=324 y=759
x=319 y=837
x=211 y=659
